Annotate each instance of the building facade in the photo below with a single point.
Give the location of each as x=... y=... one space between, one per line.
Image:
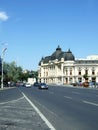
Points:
x=62 y=68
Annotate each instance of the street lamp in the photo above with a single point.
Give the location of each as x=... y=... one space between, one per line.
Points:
x=2 y=59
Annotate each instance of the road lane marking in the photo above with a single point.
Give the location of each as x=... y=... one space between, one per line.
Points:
x=68 y=97
x=54 y=114
x=39 y=113
x=91 y=103
x=12 y=101
x=76 y=92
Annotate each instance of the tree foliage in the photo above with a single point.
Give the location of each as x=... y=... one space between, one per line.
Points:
x=14 y=73
x=85 y=76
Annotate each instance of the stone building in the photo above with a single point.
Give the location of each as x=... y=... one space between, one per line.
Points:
x=63 y=68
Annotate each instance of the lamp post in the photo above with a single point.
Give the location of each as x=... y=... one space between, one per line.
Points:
x=2 y=59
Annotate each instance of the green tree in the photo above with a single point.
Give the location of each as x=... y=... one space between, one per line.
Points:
x=85 y=76
x=34 y=74
x=12 y=72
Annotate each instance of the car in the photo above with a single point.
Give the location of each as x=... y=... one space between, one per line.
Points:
x=36 y=84
x=85 y=84
x=28 y=85
x=43 y=86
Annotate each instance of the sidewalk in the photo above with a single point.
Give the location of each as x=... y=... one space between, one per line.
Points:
x=19 y=115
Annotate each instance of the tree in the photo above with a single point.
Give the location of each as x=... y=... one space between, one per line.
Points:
x=85 y=76
x=94 y=79
x=12 y=72
x=85 y=84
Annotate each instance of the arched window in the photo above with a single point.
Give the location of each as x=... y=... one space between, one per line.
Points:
x=93 y=71
x=79 y=71
x=70 y=71
x=86 y=71
x=66 y=71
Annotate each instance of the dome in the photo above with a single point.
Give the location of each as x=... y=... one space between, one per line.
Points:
x=56 y=54
x=41 y=60
x=68 y=56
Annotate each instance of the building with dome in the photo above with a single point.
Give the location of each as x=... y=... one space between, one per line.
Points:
x=62 y=68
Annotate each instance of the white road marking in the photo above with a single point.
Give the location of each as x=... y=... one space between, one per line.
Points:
x=76 y=92
x=68 y=97
x=12 y=101
x=40 y=114
x=91 y=103
x=54 y=114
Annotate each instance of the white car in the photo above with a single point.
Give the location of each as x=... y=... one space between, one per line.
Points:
x=28 y=85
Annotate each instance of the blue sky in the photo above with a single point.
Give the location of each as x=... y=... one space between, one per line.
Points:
x=32 y=29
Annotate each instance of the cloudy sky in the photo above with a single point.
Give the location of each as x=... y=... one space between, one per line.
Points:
x=32 y=29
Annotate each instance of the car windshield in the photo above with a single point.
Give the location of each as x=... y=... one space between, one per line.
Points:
x=43 y=84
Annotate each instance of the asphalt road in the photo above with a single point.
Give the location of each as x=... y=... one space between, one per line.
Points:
x=65 y=108
x=16 y=113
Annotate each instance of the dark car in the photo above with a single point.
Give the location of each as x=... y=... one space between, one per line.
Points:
x=43 y=86
x=36 y=84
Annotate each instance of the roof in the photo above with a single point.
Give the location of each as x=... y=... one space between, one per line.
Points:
x=58 y=54
x=68 y=56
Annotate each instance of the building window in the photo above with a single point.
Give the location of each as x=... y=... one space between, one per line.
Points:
x=93 y=72
x=86 y=72
x=70 y=71
x=46 y=73
x=79 y=73
x=66 y=72
x=80 y=79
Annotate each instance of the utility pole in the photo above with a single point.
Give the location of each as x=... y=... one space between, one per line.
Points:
x=2 y=59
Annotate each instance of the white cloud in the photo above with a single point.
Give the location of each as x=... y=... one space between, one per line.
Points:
x=3 y=16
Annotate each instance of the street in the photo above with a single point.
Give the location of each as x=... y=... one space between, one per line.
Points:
x=17 y=114
x=66 y=108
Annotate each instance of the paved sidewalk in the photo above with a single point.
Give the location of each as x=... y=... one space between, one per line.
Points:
x=19 y=115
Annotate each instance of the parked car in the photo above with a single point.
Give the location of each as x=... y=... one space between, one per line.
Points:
x=86 y=84
x=43 y=86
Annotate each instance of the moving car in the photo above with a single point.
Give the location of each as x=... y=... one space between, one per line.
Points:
x=43 y=86
x=28 y=85
x=36 y=84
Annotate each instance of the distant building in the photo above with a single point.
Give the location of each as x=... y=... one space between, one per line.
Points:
x=62 y=68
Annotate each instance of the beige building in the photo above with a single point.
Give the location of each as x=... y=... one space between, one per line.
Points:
x=63 y=68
